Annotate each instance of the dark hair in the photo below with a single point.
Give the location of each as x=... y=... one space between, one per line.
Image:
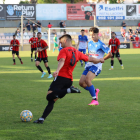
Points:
x=82 y=30
x=14 y=35
x=66 y=36
x=49 y=22
x=94 y=30
x=113 y=33
x=38 y=33
x=33 y=32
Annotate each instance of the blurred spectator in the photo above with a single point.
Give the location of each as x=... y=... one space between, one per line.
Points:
x=28 y=26
x=61 y=26
x=137 y=38
x=124 y=25
x=139 y=24
x=133 y=34
x=33 y=27
x=64 y=24
x=17 y=33
x=50 y=25
x=130 y=30
x=123 y=35
x=39 y=26
x=122 y=30
x=137 y=30
x=131 y=38
x=23 y=27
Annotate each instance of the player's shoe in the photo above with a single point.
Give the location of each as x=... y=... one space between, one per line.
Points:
x=50 y=76
x=74 y=90
x=14 y=64
x=82 y=64
x=39 y=121
x=93 y=103
x=122 y=67
x=111 y=69
x=44 y=73
x=97 y=91
x=21 y=62
x=35 y=59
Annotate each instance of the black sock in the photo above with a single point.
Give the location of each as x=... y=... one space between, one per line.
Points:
x=48 y=109
x=120 y=62
x=112 y=62
x=35 y=56
x=31 y=55
x=48 y=69
x=14 y=60
x=39 y=68
x=19 y=59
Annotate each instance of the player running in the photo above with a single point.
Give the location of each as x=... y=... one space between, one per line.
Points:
x=82 y=43
x=62 y=84
x=55 y=42
x=42 y=55
x=15 y=49
x=115 y=45
x=33 y=42
x=96 y=49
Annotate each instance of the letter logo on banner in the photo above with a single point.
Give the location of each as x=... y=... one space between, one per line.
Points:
x=10 y=10
x=1 y=8
x=100 y=7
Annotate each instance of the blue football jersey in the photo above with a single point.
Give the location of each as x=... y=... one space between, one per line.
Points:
x=97 y=50
x=82 y=41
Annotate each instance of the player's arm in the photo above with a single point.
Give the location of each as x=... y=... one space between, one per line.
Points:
x=95 y=60
x=77 y=45
x=118 y=48
x=30 y=42
x=60 y=65
x=107 y=51
x=109 y=55
x=39 y=50
x=17 y=44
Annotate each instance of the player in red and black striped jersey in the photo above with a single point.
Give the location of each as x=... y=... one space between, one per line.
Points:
x=33 y=42
x=62 y=84
x=115 y=45
x=15 y=49
x=42 y=55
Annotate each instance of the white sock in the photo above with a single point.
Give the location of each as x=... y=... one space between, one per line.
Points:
x=112 y=67
x=41 y=119
x=122 y=65
x=68 y=90
x=94 y=97
x=43 y=72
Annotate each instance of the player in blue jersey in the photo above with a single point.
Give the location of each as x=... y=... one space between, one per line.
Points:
x=96 y=49
x=60 y=48
x=82 y=43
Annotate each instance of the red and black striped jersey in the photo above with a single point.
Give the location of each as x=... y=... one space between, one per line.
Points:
x=114 y=44
x=40 y=45
x=15 y=47
x=34 y=41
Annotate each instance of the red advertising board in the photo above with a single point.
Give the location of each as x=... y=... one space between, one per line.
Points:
x=81 y=11
x=136 y=44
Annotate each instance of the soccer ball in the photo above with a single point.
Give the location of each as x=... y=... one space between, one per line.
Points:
x=26 y=115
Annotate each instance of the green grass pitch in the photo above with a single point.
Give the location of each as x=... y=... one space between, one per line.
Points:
x=116 y=118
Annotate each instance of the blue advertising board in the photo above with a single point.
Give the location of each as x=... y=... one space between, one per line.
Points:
x=51 y=12
x=110 y=11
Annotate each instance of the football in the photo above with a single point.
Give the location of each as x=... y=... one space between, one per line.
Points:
x=26 y=116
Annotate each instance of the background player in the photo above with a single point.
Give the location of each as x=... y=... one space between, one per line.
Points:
x=42 y=55
x=55 y=42
x=33 y=42
x=68 y=58
x=96 y=49
x=115 y=45
x=82 y=43
x=15 y=49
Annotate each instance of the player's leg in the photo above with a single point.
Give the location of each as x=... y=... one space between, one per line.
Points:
x=84 y=52
x=119 y=59
x=35 y=54
x=38 y=67
x=112 y=61
x=13 y=54
x=54 y=47
x=17 y=53
x=58 y=89
x=81 y=50
x=32 y=54
x=47 y=67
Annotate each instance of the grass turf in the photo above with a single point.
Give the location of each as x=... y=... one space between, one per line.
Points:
x=116 y=117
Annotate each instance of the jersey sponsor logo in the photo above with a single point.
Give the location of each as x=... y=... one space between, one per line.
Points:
x=105 y=46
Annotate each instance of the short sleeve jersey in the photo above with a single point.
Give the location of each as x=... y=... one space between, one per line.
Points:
x=34 y=41
x=70 y=54
x=14 y=47
x=114 y=44
x=40 y=45
x=82 y=41
x=97 y=50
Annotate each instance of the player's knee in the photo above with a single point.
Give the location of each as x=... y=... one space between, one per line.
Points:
x=81 y=83
x=87 y=81
x=50 y=97
x=36 y=64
